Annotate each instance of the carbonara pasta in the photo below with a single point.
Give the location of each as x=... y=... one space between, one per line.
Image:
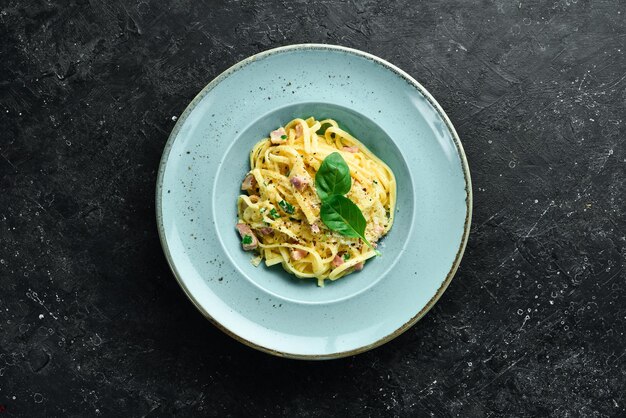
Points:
x=279 y=216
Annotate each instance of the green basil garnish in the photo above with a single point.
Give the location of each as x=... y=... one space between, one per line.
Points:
x=340 y=214
x=333 y=177
x=287 y=207
x=274 y=214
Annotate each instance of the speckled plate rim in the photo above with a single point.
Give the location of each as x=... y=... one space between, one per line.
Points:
x=383 y=63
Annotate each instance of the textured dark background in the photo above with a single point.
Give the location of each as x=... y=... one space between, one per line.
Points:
x=92 y=321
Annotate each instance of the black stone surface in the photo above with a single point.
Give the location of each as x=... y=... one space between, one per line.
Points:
x=92 y=322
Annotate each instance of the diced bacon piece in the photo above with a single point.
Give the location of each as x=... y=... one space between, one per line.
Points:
x=351 y=149
x=358 y=266
x=254 y=198
x=337 y=261
x=249 y=183
x=298 y=254
x=315 y=228
x=298 y=130
x=278 y=136
x=245 y=231
x=299 y=182
x=266 y=230
x=378 y=230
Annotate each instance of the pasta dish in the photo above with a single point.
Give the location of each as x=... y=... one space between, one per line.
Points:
x=316 y=201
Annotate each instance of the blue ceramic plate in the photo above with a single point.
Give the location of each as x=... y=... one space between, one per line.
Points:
x=206 y=158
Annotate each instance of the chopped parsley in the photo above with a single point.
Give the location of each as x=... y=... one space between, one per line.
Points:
x=287 y=207
x=262 y=210
x=346 y=256
x=283 y=137
x=247 y=239
x=274 y=214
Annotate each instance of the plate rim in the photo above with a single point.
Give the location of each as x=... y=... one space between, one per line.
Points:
x=315 y=46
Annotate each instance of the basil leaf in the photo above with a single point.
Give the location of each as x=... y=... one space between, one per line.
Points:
x=333 y=177
x=340 y=214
